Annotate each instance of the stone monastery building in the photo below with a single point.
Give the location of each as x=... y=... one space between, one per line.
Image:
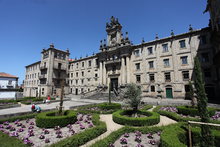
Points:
x=162 y=67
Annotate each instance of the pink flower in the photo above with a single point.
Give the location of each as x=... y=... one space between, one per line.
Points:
x=47 y=140
x=123 y=141
x=41 y=137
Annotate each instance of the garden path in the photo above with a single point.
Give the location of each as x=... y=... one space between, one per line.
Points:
x=112 y=126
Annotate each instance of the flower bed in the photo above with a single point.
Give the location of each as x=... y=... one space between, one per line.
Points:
x=147 y=136
x=29 y=133
x=49 y=120
x=103 y=108
x=151 y=118
x=173 y=114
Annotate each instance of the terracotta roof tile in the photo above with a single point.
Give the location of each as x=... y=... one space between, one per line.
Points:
x=3 y=74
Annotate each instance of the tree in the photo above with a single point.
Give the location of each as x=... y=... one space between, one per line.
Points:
x=133 y=94
x=191 y=94
x=206 y=138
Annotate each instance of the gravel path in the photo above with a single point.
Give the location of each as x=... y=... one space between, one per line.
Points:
x=112 y=126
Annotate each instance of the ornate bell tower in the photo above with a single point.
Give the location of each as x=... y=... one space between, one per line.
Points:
x=113 y=30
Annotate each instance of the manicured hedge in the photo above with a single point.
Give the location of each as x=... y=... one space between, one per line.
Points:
x=147 y=107
x=177 y=117
x=193 y=111
x=107 y=106
x=49 y=120
x=173 y=136
x=106 y=109
x=115 y=135
x=151 y=118
x=85 y=136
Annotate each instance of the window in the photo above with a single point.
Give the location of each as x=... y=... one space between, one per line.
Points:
x=166 y=62
x=205 y=57
x=151 y=64
x=76 y=74
x=184 y=60
x=138 y=78
x=203 y=40
x=82 y=81
x=96 y=75
x=82 y=74
x=9 y=82
x=76 y=82
x=165 y=47
x=71 y=75
x=81 y=90
x=90 y=63
x=82 y=64
x=77 y=65
x=137 y=66
x=152 y=88
x=137 y=53
x=150 y=50
x=207 y=73
x=151 y=76
x=185 y=75
x=182 y=44
x=167 y=76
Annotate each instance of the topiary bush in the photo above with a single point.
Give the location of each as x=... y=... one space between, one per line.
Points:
x=85 y=136
x=151 y=118
x=193 y=111
x=107 y=106
x=50 y=120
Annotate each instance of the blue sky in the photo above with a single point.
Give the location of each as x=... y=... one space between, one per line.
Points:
x=28 y=26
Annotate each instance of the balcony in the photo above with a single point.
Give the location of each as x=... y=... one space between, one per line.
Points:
x=60 y=67
x=43 y=67
x=115 y=61
x=42 y=76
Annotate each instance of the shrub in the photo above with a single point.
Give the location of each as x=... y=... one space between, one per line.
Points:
x=50 y=120
x=22 y=117
x=85 y=136
x=151 y=118
x=107 y=106
x=147 y=107
x=193 y=111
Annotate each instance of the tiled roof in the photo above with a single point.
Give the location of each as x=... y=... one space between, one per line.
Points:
x=3 y=74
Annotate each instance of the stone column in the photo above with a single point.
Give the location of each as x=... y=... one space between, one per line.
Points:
x=100 y=72
x=128 y=69
x=104 y=74
x=122 y=70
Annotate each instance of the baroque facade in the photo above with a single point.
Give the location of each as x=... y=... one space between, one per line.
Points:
x=162 y=67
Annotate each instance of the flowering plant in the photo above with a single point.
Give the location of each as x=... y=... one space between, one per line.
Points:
x=139 y=145
x=59 y=136
x=23 y=126
x=27 y=141
x=32 y=123
x=31 y=127
x=14 y=134
x=216 y=116
x=8 y=127
x=90 y=125
x=138 y=138
x=6 y=123
x=47 y=140
x=58 y=132
x=138 y=133
x=150 y=136
x=12 y=129
x=123 y=141
x=20 y=130
x=126 y=135
x=152 y=142
x=41 y=137
x=57 y=128
x=111 y=145
x=19 y=124
x=82 y=126
x=1 y=126
x=169 y=109
x=46 y=131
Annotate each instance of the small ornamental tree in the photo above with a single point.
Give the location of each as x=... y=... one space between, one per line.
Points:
x=206 y=138
x=133 y=94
